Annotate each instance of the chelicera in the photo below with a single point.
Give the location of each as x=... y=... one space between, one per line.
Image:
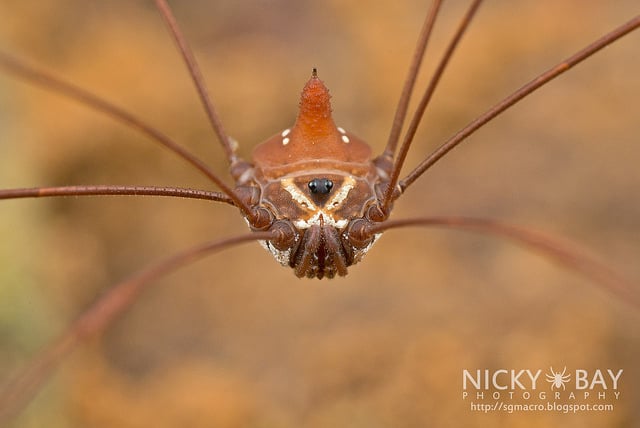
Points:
x=313 y=195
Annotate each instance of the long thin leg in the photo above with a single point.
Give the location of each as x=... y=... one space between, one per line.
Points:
x=417 y=117
x=525 y=90
x=19 y=391
x=198 y=80
x=409 y=83
x=39 y=192
x=88 y=99
x=558 y=251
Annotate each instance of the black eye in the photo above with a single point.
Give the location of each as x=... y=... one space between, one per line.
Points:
x=320 y=185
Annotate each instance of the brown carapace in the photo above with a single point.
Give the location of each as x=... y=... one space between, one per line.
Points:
x=316 y=181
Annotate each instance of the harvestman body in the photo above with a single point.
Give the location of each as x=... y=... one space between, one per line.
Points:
x=313 y=195
x=315 y=181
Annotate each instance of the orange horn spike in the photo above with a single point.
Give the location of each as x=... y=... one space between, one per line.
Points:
x=314 y=118
x=314 y=141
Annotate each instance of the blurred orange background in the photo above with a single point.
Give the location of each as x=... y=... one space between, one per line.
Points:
x=239 y=341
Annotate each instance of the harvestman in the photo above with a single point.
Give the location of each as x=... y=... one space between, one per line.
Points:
x=312 y=195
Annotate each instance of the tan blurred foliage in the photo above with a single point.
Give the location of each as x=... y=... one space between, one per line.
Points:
x=238 y=341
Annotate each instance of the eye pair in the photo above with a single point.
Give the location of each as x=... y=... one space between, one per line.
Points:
x=320 y=185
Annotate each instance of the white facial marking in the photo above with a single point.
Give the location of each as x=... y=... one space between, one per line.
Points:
x=285 y=132
x=334 y=203
x=341 y=130
x=327 y=219
x=345 y=139
x=342 y=193
x=285 y=141
x=288 y=185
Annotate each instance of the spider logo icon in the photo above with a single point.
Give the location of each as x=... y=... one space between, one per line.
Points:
x=558 y=379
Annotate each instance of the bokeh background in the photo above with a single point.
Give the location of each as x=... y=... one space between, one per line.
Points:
x=237 y=340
